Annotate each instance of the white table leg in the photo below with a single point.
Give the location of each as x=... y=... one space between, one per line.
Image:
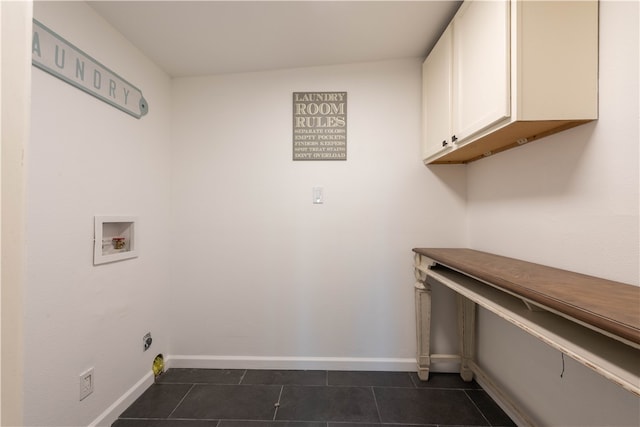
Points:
x=423 y=328
x=466 y=335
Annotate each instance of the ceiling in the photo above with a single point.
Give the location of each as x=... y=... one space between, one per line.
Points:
x=191 y=38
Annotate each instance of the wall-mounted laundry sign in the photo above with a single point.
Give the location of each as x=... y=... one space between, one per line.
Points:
x=320 y=126
x=56 y=56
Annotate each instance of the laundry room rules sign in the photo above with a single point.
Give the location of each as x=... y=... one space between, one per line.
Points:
x=320 y=126
x=58 y=57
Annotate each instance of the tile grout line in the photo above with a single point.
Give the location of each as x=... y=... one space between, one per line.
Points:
x=181 y=400
x=375 y=400
x=166 y=419
x=476 y=406
x=415 y=385
x=277 y=405
x=389 y=424
x=242 y=377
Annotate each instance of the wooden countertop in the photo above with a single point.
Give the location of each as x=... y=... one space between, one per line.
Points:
x=613 y=307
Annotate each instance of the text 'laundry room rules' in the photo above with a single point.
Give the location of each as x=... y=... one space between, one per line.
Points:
x=320 y=126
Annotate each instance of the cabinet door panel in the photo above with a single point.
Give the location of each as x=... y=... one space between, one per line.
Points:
x=436 y=96
x=481 y=70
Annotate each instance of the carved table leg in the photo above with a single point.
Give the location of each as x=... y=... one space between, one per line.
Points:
x=466 y=335
x=423 y=323
x=423 y=328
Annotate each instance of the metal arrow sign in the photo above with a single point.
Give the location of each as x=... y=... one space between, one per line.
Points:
x=56 y=56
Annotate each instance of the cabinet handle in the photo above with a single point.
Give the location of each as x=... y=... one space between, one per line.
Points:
x=444 y=143
x=454 y=138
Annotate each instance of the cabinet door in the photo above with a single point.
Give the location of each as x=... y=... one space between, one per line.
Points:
x=481 y=66
x=436 y=97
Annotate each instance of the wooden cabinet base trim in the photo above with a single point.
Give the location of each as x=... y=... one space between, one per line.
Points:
x=509 y=136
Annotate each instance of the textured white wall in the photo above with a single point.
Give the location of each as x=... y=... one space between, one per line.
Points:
x=87 y=158
x=569 y=201
x=259 y=270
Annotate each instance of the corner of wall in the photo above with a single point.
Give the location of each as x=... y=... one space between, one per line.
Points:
x=16 y=89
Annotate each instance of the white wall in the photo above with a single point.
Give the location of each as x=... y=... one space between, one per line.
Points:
x=87 y=158
x=569 y=201
x=237 y=266
x=257 y=271
x=262 y=273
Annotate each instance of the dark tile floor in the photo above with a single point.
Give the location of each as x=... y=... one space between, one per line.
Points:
x=257 y=398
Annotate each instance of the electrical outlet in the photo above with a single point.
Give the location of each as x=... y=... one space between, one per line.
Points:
x=146 y=341
x=86 y=383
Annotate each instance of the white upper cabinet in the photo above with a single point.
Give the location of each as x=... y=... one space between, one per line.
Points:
x=481 y=78
x=507 y=72
x=436 y=95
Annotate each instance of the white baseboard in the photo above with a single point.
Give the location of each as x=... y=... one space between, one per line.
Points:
x=291 y=363
x=502 y=399
x=110 y=415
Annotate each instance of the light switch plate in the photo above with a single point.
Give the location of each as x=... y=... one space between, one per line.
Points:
x=86 y=383
x=318 y=195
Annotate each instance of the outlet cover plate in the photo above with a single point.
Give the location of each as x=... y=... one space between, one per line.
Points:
x=86 y=383
x=146 y=341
